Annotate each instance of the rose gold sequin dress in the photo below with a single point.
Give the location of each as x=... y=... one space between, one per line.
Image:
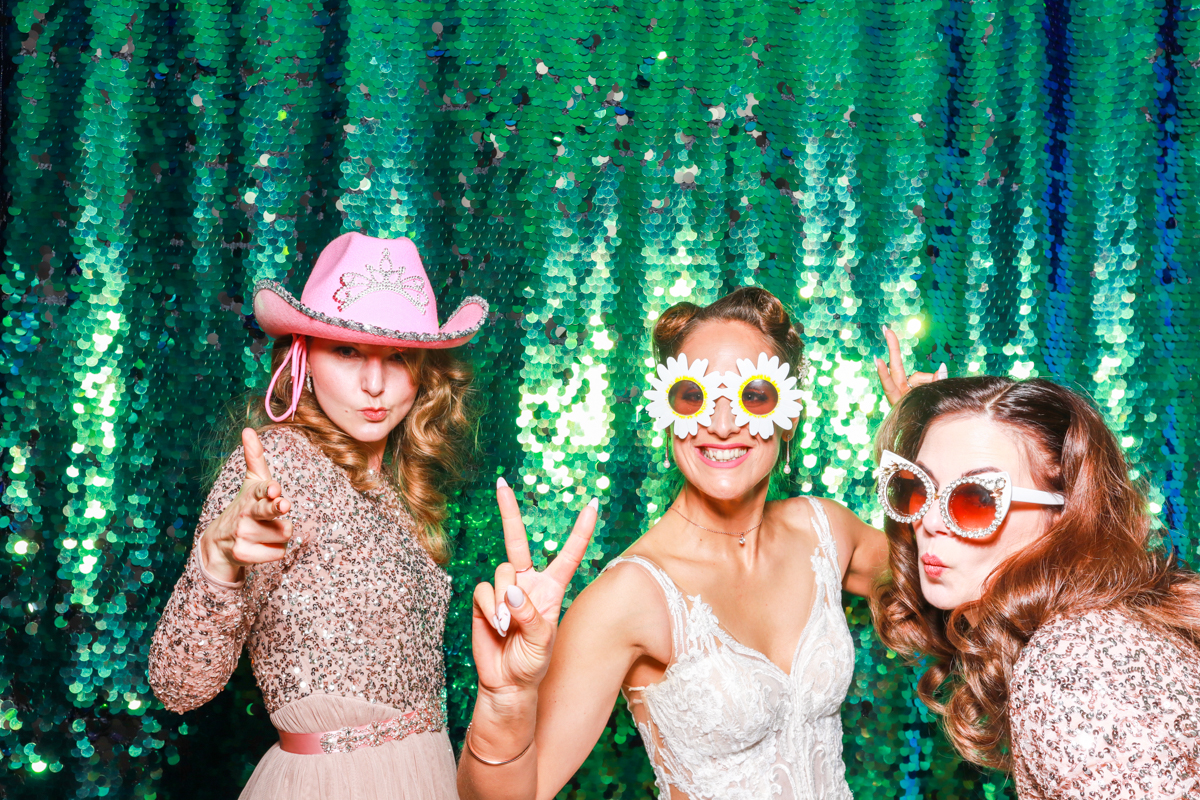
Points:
x=345 y=630
x=1103 y=707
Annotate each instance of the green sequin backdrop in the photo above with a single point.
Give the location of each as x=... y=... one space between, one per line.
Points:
x=1009 y=184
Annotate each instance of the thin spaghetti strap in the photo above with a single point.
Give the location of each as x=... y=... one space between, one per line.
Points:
x=676 y=602
x=825 y=534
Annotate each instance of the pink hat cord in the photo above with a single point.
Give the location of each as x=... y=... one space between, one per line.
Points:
x=297 y=358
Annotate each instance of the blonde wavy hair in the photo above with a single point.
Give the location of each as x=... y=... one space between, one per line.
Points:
x=426 y=454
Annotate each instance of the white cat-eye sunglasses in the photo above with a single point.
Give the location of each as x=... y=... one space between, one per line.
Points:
x=972 y=506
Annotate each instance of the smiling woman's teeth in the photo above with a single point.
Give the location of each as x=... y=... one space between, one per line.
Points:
x=713 y=454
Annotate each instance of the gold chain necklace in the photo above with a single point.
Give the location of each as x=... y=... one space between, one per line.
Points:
x=740 y=534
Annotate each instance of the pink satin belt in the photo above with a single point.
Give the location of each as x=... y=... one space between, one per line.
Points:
x=425 y=719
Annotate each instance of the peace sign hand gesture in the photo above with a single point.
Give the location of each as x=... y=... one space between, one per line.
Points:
x=249 y=530
x=514 y=622
x=896 y=383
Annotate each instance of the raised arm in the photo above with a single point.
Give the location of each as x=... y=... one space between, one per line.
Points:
x=862 y=549
x=544 y=693
x=205 y=623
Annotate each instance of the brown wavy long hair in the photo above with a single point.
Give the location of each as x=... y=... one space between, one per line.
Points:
x=426 y=454
x=1097 y=553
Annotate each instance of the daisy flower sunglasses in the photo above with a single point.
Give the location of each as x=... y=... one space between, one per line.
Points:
x=762 y=395
x=972 y=506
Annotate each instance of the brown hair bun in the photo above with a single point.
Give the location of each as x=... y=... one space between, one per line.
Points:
x=756 y=307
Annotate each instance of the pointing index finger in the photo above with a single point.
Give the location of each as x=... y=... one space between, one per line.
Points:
x=256 y=458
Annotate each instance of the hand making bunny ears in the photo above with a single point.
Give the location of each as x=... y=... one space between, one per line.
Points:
x=514 y=621
x=249 y=531
x=892 y=375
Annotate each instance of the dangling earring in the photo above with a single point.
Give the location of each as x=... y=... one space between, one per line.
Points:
x=667 y=452
x=308 y=382
x=787 y=456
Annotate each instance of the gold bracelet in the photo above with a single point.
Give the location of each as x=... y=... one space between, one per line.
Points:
x=481 y=759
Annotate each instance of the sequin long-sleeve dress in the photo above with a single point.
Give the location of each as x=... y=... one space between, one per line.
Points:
x=1103 y=707
x=346 y=630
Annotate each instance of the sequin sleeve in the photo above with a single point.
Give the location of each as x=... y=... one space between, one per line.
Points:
x=205 y=623
x=1102 y=706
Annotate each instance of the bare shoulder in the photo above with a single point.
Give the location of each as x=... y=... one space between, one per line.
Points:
x=793 y=515
x=624 y=606
x=845 y=525
x=861 y=549
x=619 y=595
x=798 y=515
x=840 y=517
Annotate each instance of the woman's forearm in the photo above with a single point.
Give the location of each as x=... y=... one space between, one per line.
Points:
x=499 y=756
x=198 y=640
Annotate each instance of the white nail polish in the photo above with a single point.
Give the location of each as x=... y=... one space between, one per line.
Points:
x=594 y=503
x=503 y=617
x=501 y=483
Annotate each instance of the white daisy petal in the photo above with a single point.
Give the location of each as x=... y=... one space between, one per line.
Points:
x=685 y=427
x=768 y=368
x=789 y=409
x=668 y=375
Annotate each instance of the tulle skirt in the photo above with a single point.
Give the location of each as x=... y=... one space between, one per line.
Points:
x=417 y=767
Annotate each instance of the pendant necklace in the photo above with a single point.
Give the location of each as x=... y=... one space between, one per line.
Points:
x=740 y=534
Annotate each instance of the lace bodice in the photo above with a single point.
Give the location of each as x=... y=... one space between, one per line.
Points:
x=356 y=609
x=726 y=722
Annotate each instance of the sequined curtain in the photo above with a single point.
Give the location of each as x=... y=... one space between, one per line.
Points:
x=1012 y=185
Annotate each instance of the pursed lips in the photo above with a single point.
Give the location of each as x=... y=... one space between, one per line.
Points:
x=934 y=566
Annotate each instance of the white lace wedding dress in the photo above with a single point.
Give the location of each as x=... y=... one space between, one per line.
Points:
x=726 y=723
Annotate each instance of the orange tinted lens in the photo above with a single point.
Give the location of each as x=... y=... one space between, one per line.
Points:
x=686 y=398
x=972 y=507
x=906 y=493
x=760 y=397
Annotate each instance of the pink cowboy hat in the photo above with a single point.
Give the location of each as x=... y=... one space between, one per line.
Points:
x=363 y=290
